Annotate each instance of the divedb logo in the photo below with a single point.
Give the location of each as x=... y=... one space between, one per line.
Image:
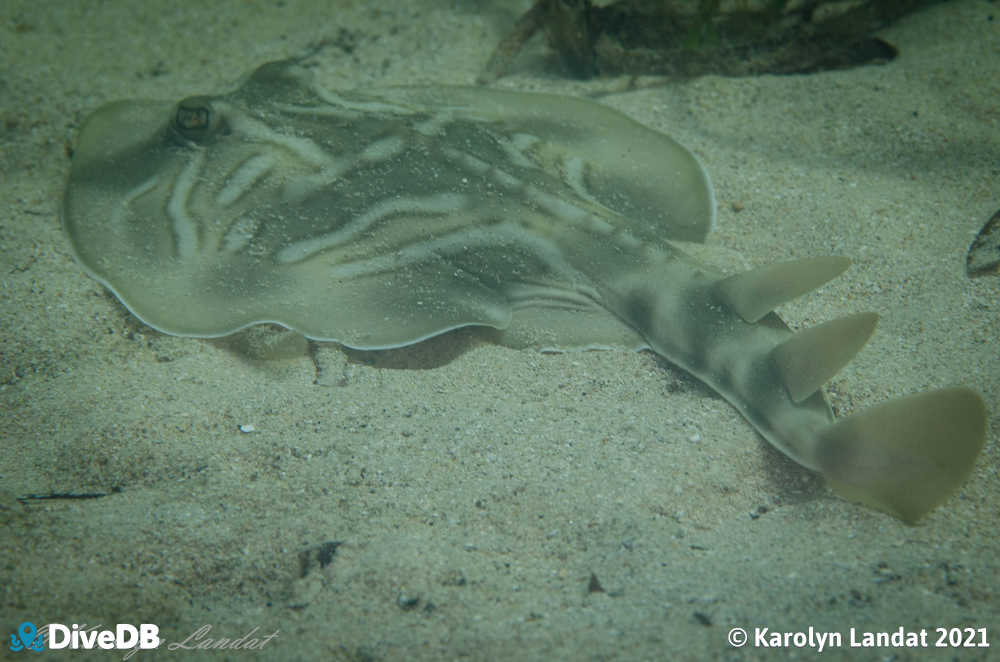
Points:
x=56 y=636
x=124 y=636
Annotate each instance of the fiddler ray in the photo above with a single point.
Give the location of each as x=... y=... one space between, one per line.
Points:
x=380 y=218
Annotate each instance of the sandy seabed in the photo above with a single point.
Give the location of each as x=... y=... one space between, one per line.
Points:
x=462 y=500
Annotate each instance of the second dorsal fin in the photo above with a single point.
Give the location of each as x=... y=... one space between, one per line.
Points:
x=812 y=356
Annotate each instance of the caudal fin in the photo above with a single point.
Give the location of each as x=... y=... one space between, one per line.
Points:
x=905 y=456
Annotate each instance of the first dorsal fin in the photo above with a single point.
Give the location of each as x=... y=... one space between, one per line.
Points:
x=812 y=356
x=755 y=293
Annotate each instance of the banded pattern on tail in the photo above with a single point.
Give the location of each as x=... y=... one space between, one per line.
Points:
x=904 y=456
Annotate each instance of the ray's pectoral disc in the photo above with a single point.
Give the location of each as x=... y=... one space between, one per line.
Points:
x=375 y=219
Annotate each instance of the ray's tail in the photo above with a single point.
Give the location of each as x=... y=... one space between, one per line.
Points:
x=904 y=456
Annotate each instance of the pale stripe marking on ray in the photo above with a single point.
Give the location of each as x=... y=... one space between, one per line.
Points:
x=246 y=175
x=455 y=243
x=530 y=295
x=299 y=187
x=366 y=107
x=439 y=204
x=562 y=209
x=480 y=167
x=433 y=125
x=554 y=205
x=574 y=171
x=474 y=163
x=306 y=149
x=319 y=111
x=516 y=147
x=185 y=227
x=120 y=210
x=383 y=149
x=239 y=234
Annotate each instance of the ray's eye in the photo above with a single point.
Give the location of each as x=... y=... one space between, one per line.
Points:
x=196 y=119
